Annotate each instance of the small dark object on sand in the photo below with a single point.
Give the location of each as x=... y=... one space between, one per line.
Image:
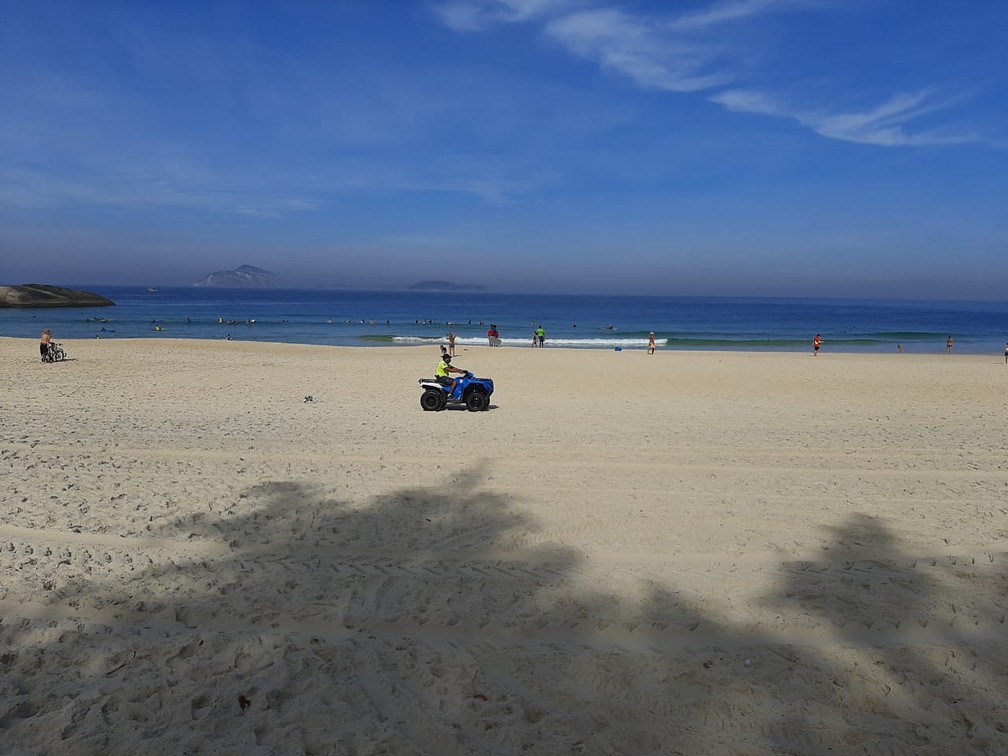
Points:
x=243 y=702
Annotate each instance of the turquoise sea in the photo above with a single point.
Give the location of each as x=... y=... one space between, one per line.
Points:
x=384 y=318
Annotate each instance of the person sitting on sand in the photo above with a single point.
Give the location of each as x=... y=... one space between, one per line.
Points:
x=441 y=373
x=44 y=343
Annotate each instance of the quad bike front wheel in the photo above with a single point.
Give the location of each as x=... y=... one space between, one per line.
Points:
x=477 y=401
x=432 y=400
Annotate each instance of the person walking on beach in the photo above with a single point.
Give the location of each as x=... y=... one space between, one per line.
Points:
x=816 y=343
x=650 y=343
x=44 y=343
x=948 y=345
x=540 y=335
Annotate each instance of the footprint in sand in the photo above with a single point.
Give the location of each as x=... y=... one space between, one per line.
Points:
x=199 y=706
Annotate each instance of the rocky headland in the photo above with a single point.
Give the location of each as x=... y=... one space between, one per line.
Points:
x=41 y=295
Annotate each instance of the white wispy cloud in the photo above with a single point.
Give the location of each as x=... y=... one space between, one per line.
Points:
x=475 y=15
x=636 y=48
x=148 y=186
x=735 y=10
x=884 y=125
x=687 y=53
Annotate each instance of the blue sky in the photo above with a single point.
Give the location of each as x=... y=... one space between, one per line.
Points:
x=736 y=147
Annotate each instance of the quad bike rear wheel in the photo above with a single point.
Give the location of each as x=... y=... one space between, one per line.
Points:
x=432 y=400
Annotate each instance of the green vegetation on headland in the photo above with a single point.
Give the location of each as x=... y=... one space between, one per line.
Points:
x=40 y=295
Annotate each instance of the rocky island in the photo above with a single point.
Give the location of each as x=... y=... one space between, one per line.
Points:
x=41 y=295
x=246 y=277
x=445 y=286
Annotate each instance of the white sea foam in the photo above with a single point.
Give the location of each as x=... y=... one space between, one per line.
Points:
x=481 y=341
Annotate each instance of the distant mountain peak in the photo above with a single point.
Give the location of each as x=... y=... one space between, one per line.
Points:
x=246 y=276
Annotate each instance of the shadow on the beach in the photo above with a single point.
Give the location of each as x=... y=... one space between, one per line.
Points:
x=433 y=620
x=919 y=653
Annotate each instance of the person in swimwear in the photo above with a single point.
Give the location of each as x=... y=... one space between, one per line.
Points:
x=44 y=344
x=816 y=343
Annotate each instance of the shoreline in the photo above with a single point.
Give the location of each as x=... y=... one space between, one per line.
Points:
x=703 y=551
x=681 y=324
x=433 y=344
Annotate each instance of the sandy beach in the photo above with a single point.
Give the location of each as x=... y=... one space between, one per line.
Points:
x=691 y=552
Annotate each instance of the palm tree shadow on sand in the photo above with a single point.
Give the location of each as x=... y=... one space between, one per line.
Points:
x=434 y=621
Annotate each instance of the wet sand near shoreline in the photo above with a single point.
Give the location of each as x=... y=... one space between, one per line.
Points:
x=690 y=552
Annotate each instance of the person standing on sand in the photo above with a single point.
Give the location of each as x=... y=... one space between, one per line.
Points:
x=44 y=343
x=816 y=343
x=540 y=335
x=650 y=343
x=948 y=345
x=451 y=344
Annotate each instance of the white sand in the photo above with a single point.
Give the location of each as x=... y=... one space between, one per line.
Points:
x=685 y=553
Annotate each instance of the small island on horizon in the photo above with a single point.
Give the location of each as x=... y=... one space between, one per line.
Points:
x=444 y=286
x=44 y=295
x=244 y=277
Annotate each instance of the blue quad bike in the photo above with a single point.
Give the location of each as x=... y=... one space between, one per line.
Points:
x=472 y=392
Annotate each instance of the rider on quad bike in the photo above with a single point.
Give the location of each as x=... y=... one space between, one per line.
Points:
x=442 y=390
x=441 y=373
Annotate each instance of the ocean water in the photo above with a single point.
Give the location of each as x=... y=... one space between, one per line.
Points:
x=372 y=318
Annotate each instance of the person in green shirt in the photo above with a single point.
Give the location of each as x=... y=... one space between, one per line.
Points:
x=540 y=335
x=443 y=370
